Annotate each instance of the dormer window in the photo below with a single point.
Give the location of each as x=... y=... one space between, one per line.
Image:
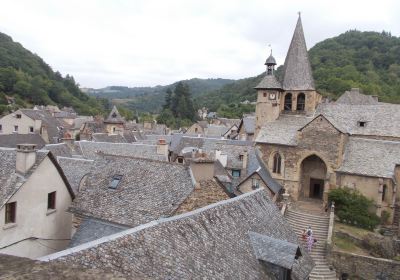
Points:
x=362 y=123
x=114 y=115
x=115 y=181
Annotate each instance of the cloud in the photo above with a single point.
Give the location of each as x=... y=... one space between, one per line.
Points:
x=137 y=43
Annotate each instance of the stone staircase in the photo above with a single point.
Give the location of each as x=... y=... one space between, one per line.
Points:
x=300 y=220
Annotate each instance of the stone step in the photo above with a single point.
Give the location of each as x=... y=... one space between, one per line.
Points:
x=307 y=216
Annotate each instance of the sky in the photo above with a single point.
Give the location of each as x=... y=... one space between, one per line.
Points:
x=147 y=43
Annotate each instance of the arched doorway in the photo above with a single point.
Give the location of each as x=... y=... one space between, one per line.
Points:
x=313 y=175
x=287 y=106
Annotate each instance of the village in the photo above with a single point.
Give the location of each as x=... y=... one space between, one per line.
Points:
x=249 y=198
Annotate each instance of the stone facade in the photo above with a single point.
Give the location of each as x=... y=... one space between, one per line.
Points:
x=363 y=267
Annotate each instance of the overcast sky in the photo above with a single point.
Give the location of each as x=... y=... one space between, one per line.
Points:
x=146 y=43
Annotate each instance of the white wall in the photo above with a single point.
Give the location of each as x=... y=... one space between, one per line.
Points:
x=9 y=121
x=33 y=218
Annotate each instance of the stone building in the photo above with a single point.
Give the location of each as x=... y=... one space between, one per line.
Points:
x=311 y=146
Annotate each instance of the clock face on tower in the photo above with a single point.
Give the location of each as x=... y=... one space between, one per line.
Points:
x=272 y=96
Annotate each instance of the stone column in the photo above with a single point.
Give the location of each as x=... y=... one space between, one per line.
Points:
x=379 y=198
x=327 y=187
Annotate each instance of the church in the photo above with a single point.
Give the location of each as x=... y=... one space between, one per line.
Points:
x=312 y=145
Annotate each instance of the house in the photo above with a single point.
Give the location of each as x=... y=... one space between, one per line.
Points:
x=114 y=122
x=34 y=197
x=11 y=140
x=246 y=128
x=30 y=121
x=238 y=238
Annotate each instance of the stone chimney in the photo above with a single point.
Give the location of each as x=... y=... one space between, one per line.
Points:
x=223 y=159
x=26 y=157
x=70 y=142
x=162 y=147
x=244 y=157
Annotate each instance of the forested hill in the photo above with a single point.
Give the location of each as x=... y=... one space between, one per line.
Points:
x=367 y=60
x=27 y=78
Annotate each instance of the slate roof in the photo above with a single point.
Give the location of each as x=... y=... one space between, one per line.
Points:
x=273 y=250
x=10 y=181
x=92 y=229
x=283 y=131
x=209 y=243
x=148 y=190
x=59 y=150
x=11 y=140
x=51 y=123
x=370 y=157
x=216 y=130
x=94 y=150
x=297 y=74
x=17 y=268
x=355 y=97
x=114 y=117
x=269 y=82
x=75 y=169
x=382 y=119
x=249 y=124
x=256 y=165
x=270 y=60
x=110 y=138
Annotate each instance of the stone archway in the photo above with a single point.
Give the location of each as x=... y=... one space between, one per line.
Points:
x=313 y=172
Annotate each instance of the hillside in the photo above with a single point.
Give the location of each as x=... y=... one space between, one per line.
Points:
x=27 y=78
x=150 y=99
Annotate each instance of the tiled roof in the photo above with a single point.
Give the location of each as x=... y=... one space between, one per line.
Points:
x=93 y=150
x=249 y=124
x=51 y=123
x=269 y=82
x=371 y=157
x=355 y=97
x=273 y=250
x=283 y=131
x=297 y=74
x=209 y=243
x=216 y=130
x=75 y=169
x=148 y=190
x=11 y=140
x=110 y=138
x=92 y=229
x=382 y=119
x=59 y=150
x=18 y=268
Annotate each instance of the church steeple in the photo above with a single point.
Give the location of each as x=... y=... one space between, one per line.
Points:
x=270 y=63
x=297 y=73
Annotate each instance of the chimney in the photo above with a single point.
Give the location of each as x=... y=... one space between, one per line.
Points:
x=244 y=159
x=26 y=157
x=162 y=147
x=223 y=159
x=70 y=142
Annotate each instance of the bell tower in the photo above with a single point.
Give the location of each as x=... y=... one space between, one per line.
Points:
x=269 y=92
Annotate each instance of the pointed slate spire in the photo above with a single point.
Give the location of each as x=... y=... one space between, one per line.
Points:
x=115 y=117
x=297 y=73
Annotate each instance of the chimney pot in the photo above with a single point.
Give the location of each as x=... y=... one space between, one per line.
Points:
x=26 y=157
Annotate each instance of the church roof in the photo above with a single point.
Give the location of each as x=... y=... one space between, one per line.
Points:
x=114 y=117
x=270 y=60
x=269 y=82
x=355 y=97
x=297 y=73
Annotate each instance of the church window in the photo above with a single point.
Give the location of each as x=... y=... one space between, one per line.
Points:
x=301 y=102
x=288 y=102
x=276 y=168
x=384 y=189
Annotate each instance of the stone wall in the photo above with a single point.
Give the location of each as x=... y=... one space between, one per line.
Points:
x=362 y=267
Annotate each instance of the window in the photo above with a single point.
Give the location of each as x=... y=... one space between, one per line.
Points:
x=31 y=129
x=51 y=200
x=264 y=94
x=236 y=173
x=114 y=115
x=1 y=127
x=277 y=163
x=288 y=102
x=11 y=209
x=196 y=129
x=362 y=123
x=15 y=128
x=18 y=116
x=241 y=157
x=255 y=183
x=301 y=102
x=180 y=160
x=115 y=181
x=384 y=189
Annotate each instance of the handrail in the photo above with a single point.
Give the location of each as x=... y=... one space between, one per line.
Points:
x=331 y=223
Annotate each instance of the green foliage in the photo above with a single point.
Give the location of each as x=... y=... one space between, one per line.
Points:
x=27 y=78
x=178 y=110
x=354 y=208
x=235 y=111
x=385 y=215
x=146 y=117
x=126 y=113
